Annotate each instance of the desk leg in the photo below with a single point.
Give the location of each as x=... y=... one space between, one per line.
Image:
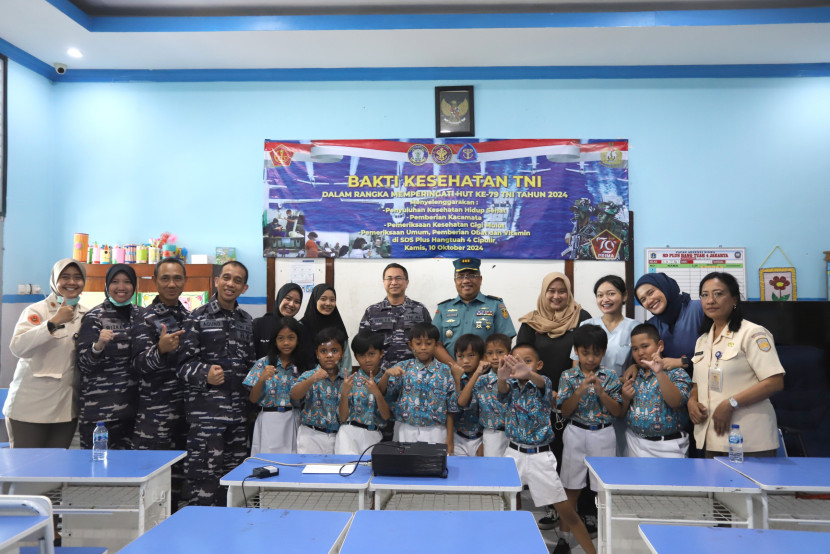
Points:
x=233 y=496
x=361 y=500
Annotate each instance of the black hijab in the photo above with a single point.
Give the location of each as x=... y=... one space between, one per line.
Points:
x=282 y=293
x=675 y=300
x=314 y=321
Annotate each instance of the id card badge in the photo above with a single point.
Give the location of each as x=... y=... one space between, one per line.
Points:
x=716 y=375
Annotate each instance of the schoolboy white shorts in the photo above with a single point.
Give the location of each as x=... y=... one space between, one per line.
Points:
x=462 y=446
x=538 y=472
x=405 y=432
x=354 y=440
x=312 y=441
x=579 y=443
x=642 y=448
x=495 y=443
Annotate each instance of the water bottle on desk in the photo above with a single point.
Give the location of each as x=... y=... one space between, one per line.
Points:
x=736 y=445
x=100 y=438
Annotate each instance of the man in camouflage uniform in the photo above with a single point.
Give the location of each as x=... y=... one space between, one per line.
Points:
x=160 y=421
x=215 y=357
x=607 y=220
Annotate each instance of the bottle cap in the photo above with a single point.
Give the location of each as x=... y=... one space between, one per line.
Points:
x=736 y=426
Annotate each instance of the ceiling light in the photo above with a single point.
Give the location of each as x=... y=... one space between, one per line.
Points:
x=75 y=53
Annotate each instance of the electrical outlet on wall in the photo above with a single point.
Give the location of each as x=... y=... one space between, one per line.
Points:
x=23 y=289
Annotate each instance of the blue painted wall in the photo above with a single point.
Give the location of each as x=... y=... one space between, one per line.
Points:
x=733 y=162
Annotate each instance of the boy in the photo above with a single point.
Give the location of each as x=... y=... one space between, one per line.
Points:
x=319 y=389
x=482 y=389
x=363 y=410
x=469 y=351
x=529 y=397
x=424 y=389
x=590 y=395
x=654 y=401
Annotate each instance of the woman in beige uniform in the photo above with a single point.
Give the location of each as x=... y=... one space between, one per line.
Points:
x=736 y=371
x=42 y=408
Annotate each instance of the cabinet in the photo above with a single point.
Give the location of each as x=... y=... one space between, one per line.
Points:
x=199 y=277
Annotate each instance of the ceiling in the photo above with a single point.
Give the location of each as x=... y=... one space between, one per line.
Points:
x=216 y=36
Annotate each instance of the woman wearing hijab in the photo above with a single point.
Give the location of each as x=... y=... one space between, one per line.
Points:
x=322 y=313
x=41 y=409
x=676 y=316
x=288 y=302
x=549 y=328
x=109 y=388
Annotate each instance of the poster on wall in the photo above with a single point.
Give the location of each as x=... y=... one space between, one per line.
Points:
x=688 y=266
x=512 y=198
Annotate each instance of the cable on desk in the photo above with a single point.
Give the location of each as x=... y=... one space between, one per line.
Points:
x=244 y=496
x=392 y=444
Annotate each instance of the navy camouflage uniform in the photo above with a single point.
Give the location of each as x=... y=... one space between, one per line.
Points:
x=160 y=423
x=217 y=441
x=393 y=322
x=482 y=316
x=109 y=386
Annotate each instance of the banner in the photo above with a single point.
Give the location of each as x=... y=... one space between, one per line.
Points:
x=514 y=198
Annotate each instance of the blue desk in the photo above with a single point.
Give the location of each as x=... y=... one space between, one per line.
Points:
x=293 y=489
x=670 y=490
x=102 y=503
x=207 y=530
x=14 y=529
x=26 y=518
x=434 y=532
x=779 y=480
x=467 y=476
x=679 y=539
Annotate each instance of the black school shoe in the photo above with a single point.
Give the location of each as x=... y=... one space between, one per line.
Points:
x=590 y=523
x=549 y=520
x=562 y=547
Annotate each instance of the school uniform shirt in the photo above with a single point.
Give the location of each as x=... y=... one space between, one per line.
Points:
x=491 y=412
x=648 y=414
x=276 y=391
x=748 y=356
x=555 y=353
x=618 y=353
x=527 y=419
x=424 y=393
x=363 y=406
x=482 y=316
x=321 y=402
x=393 y=322
x=160 y=393
x=467 y=419
x=109 y=386
x=590 y=410
x=222 y=337
x=43 y=387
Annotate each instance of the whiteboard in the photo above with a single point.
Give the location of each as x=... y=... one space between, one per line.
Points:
x=519 y=282
x=688 y=266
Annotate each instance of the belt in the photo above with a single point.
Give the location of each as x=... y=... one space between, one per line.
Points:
x=589 y=427
x=277 y=408
x=470 y=437
x=669 y=437
x=321 y=429
x=532 y=449
x=496 y=429
x=362 y=425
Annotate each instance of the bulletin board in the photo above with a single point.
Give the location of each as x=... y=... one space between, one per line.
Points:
x=688 y=266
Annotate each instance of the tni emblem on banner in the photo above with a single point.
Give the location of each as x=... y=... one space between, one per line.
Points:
x=281 y=156
x=606 y=245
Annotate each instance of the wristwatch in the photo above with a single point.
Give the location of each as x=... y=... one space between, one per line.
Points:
x=733 y=402
x=51 y=327
x=685 y=362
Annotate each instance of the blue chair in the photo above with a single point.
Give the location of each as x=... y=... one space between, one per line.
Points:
x=782 y=448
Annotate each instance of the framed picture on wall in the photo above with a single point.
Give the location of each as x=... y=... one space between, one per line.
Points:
x=778 y=284
x=454 y=112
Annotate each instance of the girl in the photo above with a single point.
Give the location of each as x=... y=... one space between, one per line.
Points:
x=40 y=409
x=321 y=313
x=319 y=389
x=288 y=302
x=270 y=382
x=109 y=387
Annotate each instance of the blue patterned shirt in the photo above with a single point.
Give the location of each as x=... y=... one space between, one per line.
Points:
x=424 y=393
x=527 y=420
x=321 y=402
x=491 y=412
x=590 y=410
x=276 y=391
x=363 y=406
x=649 y=415
x=467 y=420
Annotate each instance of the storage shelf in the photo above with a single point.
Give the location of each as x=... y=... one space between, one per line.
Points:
x=788 y=508
x=324 y=501
x=454 y=502
x=681 y=509
x=70 y=499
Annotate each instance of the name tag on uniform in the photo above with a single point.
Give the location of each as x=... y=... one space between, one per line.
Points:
x=212 y=323
x=716 y=375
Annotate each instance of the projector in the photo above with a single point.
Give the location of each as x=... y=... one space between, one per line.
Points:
x=410 y=459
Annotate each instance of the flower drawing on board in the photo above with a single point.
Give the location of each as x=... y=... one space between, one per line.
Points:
x=780 y=282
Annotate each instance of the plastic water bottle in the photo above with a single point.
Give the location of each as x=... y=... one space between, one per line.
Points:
x=100 y=438
x=736 y=445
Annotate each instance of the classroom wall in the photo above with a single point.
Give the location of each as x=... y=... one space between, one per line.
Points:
x=732 y=162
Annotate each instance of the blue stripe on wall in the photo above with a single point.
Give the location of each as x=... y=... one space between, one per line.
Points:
x=681 y=18
x=26 y=60
x=446 y=73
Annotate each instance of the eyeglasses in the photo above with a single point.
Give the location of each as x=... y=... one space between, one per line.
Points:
x=397 y=279
x=467 y=277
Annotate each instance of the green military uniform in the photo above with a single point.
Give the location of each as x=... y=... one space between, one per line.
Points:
x=482 y=316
